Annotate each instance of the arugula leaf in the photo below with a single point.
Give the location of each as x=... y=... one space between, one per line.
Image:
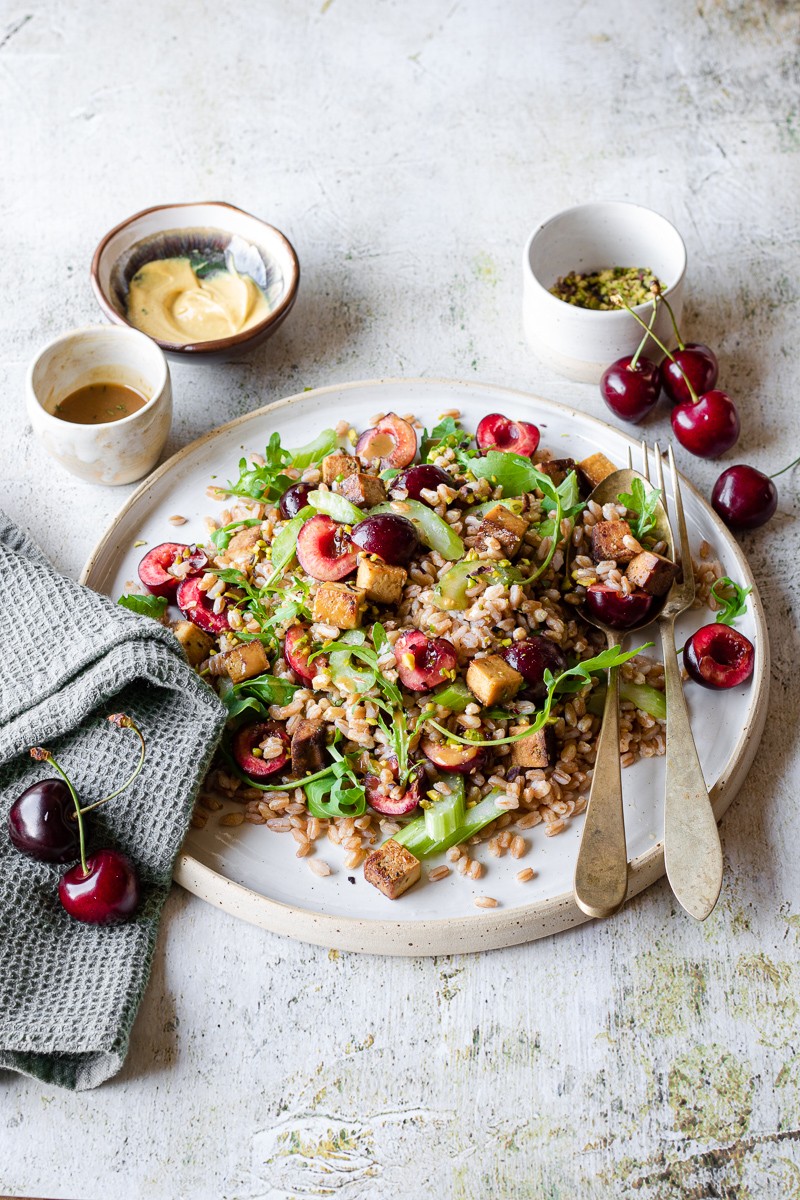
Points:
x=448 y=434
x=236 y=704
x=513 y=472
x=269 y=689
x=145 y=606
x=266 y=483
x=642 y=502
x=614 y=656
x=733 y=606
x=314 y=451
x=222 y=537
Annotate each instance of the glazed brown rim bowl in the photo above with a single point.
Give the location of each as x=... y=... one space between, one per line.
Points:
x=169 y=229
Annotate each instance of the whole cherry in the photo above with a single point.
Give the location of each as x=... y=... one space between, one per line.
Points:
x=102 y=889
x=690 y=365
x=47 y=822
x=706 y=425
x=745 y=497
x=631 y=385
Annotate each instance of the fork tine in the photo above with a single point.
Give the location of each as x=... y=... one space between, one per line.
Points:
x=686 y=552
x=645 y=462
x=660 y=477
x=630 y=459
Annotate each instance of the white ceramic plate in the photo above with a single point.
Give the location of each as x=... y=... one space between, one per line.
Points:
x=253 y=873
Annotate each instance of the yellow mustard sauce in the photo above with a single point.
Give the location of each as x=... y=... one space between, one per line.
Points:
x=168 y=301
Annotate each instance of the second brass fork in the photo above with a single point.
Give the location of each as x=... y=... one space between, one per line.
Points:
x=692 y=851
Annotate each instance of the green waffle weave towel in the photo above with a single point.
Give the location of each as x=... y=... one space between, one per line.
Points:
x=69 y=992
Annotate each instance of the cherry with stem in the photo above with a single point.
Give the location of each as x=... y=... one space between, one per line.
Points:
x=691 y=359
x=630 y=386
x=706 y=425
x=745 y=497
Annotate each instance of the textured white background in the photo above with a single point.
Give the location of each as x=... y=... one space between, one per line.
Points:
x=407 y=150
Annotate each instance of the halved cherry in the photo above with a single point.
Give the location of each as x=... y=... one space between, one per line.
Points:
x=496 y=432
x=197 y=608
x=719 y=657
x=378 y=799
x=457 y=760
x=249 y=739
x=424 y=662
x=153 y=569
x=324 y=549
x=297 y=649
x=616 y=610
x=392 y=440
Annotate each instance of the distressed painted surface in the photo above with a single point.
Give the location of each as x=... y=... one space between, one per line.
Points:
x=407 y=150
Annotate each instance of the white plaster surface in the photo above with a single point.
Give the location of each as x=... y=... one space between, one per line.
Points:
x=407 y=150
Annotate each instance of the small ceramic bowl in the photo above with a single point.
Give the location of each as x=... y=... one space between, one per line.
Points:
x=581 y=342
x=173 y=229
x=118 y=451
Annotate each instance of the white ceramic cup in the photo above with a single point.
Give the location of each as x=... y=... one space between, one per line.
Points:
x=118 y=451
x=581 y=342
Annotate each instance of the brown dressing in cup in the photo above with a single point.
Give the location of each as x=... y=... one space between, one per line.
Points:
x=99 y=403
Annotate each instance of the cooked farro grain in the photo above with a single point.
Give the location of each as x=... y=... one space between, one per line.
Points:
x=485 y=902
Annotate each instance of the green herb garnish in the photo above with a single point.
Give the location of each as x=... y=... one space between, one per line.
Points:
x=145 y=606
x=642 y=503
x=733 y=606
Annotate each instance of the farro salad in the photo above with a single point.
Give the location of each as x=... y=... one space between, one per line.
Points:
x=394 y=623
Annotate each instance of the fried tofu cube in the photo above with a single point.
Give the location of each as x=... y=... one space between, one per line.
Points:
x=652 y=572
x=502 y=527
x=595 y=469
x=556 y=469
x=364 y=490
x=381 y=582
x=392 y=869
x=608 y=542
x=308 y=748
x=243 y=662
x=338 y=466
x=537 y=750
x=197 y=644
x=339 y=604
x=492 y=681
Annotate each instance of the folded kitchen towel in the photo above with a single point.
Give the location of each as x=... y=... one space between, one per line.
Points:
x=69 y=992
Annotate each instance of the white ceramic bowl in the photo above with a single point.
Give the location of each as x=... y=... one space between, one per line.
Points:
x=581 y=342
x=173 y=228
x=118 y=451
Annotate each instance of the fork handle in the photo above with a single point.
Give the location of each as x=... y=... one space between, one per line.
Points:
x=601 y=873
x=692 y=850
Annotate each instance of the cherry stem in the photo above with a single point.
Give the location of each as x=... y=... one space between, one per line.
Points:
x=122 y=722
x=78 y=811
x=643 y=342
x=678 y=337
x=618 y=300
x=785 y=469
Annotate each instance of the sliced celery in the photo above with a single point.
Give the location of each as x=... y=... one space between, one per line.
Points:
x=451 y=590
x=515 y=504
x=642 y=695
x=432 y=530
x=455 y=696
x=446 y=814
x=417 y=840
x=336 y=506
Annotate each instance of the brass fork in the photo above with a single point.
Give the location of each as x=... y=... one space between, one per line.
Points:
x=692 y=850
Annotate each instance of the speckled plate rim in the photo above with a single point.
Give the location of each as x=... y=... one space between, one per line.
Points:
x=488 y=929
